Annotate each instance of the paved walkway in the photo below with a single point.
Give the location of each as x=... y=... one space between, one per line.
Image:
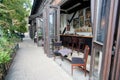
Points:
x=31 y=63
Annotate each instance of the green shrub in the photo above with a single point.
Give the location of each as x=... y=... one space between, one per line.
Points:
x=4 y=57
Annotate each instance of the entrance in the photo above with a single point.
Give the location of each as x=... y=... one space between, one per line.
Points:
x=51 y=27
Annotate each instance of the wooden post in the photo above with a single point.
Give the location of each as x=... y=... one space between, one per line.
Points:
x=116 y=65
x=107 y=49
x=58 y=23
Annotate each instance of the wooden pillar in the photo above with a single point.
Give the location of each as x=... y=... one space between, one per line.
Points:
x=107 y=49
x=58 y=23
x=37 y=29
x=116 y=64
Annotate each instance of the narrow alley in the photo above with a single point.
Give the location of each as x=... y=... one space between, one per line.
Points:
x=31 y=63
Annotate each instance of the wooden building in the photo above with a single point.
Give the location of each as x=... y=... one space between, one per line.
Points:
x=95 y=22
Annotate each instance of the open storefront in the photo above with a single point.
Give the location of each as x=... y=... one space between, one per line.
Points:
x=86 y=22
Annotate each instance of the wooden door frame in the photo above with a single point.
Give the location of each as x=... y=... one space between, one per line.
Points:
x=116 y=65
x=58 y=20
x=46 y=12
x=94 y=34
x=45 y=22
x=107 y=48
x=118 y=54
x=108 y=42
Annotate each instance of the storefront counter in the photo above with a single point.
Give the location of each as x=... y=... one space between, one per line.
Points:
x=68 y=40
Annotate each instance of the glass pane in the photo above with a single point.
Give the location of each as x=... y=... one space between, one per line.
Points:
x=102 y=20
x=52 y=29
x=97 y=65
x=51 y=25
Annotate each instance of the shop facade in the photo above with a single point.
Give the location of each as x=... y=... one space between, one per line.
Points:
x=97 y=22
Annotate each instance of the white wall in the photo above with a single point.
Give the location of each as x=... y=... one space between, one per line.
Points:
x=63 y=21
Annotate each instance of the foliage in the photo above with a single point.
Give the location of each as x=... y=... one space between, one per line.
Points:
x=13 y=18
x=13 y=14
x=4 y=57
x=5 y=48
x=4 y=19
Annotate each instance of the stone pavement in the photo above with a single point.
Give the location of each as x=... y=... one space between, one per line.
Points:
x=31 y=63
